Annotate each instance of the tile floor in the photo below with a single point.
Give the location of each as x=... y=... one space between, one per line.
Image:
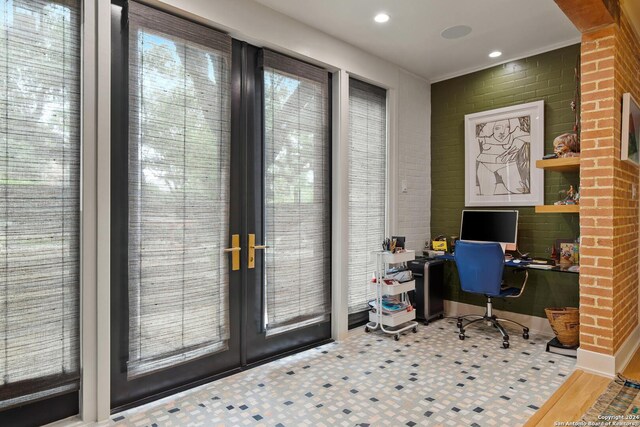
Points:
x=428 y=378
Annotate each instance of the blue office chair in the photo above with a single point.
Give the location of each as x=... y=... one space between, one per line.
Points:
x=480 y=267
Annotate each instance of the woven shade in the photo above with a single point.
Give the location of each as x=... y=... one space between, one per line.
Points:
x=367 y=186
x=179 y=136
x=39 y=199
x=297 y=193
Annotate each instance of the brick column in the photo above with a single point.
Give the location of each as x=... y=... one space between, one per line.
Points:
x=597 y=190
x=608 y=213
x=625 y=203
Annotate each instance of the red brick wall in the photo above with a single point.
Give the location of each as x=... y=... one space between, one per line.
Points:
x=625 y=209
x=610 y=61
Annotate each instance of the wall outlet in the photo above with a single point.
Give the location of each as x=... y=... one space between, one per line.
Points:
x=403 y=186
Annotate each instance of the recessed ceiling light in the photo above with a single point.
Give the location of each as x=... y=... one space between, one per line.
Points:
x=455 y=32
x=381 y=18
x=495 y=54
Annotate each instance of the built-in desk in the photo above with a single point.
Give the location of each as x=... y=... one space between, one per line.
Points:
x=529 y=266
x=556 y=287
x=522 y=264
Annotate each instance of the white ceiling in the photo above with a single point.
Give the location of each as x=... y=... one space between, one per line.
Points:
x=412 y=38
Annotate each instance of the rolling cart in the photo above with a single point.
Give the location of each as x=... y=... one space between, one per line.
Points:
x=402 y=320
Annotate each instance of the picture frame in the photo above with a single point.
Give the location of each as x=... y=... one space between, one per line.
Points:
x=567 y=251
x=501 y=147
x=630 y=138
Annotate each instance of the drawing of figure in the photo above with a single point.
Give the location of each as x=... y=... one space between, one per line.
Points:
x=503 y=164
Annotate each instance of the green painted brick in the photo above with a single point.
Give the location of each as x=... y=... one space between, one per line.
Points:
x=548 y=76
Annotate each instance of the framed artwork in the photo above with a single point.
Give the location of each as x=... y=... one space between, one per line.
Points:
x=567 y=251
x=501 y=147
x=630 y=129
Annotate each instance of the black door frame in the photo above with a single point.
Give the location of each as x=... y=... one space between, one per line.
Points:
x=262 y=347
x=126 y=393
x=248 y=344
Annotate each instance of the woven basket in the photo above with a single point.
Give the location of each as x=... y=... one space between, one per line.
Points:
x=565 y=323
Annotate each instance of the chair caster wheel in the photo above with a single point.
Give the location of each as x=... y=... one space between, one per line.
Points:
x=396 y=337
x=415 y=329
x=461 y=336
x=366 y=329
x=525 y=336
x=505 y=344
x=441 y=316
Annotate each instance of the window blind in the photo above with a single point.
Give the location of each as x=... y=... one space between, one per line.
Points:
x=367 y=186
x=297 y=193
x=179 y=136
x=39 y=198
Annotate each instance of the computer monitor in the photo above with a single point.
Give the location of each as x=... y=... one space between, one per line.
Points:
x=490 y=226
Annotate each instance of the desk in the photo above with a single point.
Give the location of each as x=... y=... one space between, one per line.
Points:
x=545 y=297
x=555 y=287
x=522 y=264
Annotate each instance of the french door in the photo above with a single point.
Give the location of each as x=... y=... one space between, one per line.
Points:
x=220 y=205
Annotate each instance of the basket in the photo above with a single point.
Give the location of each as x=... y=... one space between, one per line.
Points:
x=565 y=322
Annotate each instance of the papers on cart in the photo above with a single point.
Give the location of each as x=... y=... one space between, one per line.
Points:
x=390 y=305
x=402 y=274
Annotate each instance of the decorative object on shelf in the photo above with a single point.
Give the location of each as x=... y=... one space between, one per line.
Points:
x=567 y=145
x=565 y=323
x=630 y=129
x=499 y=147
x=565 y=251
x=568 y=252
x=569 y=197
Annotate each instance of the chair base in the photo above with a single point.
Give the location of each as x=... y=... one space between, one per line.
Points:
x=491 y=320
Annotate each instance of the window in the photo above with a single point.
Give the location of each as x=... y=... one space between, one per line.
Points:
x=367 y=186
x=179 y=133
x=297 y=193
x=39 y=199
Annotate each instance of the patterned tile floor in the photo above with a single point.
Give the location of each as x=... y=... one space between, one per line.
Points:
x=428 y=378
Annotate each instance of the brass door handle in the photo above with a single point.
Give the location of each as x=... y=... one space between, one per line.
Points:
x=251 y=262
x=235 y=252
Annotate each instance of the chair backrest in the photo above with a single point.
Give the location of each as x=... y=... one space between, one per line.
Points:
x=480 y=267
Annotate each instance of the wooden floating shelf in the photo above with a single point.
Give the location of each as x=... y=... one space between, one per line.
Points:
x=566 y=164
x=558 y=209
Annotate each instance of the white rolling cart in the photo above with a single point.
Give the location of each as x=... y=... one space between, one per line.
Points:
x=401 y=321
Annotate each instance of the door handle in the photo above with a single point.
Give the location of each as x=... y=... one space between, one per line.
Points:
x=235 y=252
x=251 y=263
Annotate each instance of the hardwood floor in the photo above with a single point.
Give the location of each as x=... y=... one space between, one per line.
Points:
x=577 y=394
x=633 y=368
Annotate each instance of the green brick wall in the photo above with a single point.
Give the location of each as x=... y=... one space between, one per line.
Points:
x=550 y=77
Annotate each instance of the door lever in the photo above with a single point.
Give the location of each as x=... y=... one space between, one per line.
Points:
x=251 y=263
x=235 y=252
